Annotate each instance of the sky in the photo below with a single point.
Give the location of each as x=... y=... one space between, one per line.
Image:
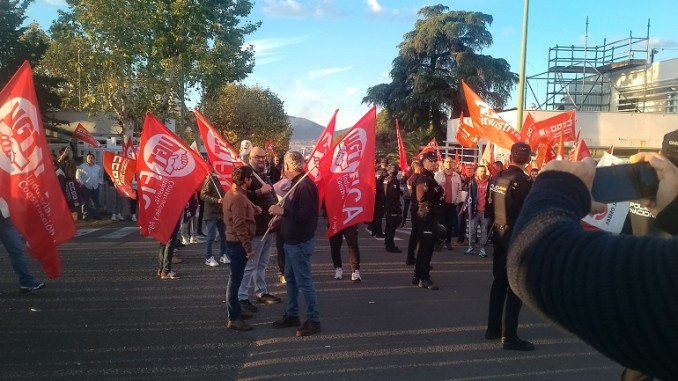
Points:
x=322 y=55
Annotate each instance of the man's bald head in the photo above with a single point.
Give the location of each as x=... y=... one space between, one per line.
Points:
x=258 y=159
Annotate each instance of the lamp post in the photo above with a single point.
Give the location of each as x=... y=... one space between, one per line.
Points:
x=521 y=80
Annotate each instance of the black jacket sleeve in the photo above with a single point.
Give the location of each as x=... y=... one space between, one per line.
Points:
x=617 y=293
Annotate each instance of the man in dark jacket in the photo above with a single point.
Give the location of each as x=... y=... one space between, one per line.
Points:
x=212 y=194
x=392 y=206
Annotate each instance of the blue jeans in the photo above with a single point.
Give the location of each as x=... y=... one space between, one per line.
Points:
x=14 y=244
x=299 y=277
x=214 y=226
x=91 y=205
x=255 y=271
x=237 y=256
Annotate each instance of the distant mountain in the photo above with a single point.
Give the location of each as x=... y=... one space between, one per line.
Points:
x=304 y=131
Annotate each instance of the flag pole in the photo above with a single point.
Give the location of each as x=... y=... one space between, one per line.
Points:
x=521 y=81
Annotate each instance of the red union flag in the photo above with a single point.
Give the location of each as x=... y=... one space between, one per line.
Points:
x=128 y=148
x=28 y=182
x=530 y=134
x=121 y=170
x=487 y=123
x=552 y=128
x=82 y=134
x=222 y=156
x=402 y=156
x=268 y=146
x=466 y=135
x=317 y=168
x=349 y=196
x=168 y=173
x=432 y=146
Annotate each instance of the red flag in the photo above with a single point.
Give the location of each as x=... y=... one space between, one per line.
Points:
x=530 y=134
x=168 y=173
x=430 y=147
x=268 y=146
x=545 y=154
x=317 y=168
x=457 y=159
x=28 y=182
x=121 y=170
x=488 y=157
x=401 y=150
x=611 y=150
x=128 y=148
x=487 y=123
x=562 y=124
x=466 y=135
x=581 y=151
x=82 y=134
x=350 y=185
x=561 y=149
x=223 y=157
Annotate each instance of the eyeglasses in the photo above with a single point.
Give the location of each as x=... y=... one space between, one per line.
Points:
x=259 y=157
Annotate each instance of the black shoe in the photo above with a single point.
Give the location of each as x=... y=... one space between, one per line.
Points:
x=415 y=280
x=31 y=288
x=309 y=328
x=401 y=225
x=246 y=305
x=238 y=325
x=427 y=283
x=438 y=245
x=287 y=321
x=516 y=344
x=245 y=315
x=409 y=262
x=268 y=299
x=490 y=335
x=393 y=249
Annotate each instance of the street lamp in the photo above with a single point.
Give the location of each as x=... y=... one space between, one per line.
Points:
x=521 y=81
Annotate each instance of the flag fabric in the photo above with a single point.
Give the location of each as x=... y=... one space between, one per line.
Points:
x=530 y=134
x=82 y=134
x=317 y=168
x=580 y=151
x=168 y=173
x=562 y=124
x=350 y=185
x=457 y=158
x=466 y=135
x=432 y=146
x=561 y=148
x=28 y=181
x=488 y=157
x=611 y=150
x=545 y=153
x=402 y=155
x=128 y=148
x=121 y=170
x=487 y=123
x=268 y=146
x=223 y=158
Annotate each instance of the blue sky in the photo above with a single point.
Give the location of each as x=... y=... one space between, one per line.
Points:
x=322 y=55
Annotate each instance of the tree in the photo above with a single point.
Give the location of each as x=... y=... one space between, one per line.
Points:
x=130 y=57
x=250 y=113
x=18 y=44
x=442 y=50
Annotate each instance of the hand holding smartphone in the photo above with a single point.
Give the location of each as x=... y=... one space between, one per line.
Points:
x=624 y=182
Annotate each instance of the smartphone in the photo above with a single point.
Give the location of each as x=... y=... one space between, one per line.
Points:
x=624 y=182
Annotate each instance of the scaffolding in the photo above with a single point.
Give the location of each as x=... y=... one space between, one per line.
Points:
x=579 y=77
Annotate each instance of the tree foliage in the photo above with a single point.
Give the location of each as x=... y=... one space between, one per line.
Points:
x=250 y=113
x=19 y=43
x=130 y=57
x=443 y=49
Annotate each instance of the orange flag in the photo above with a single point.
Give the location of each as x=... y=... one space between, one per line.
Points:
x=561 y=149
x=555 y=127
x=487 y=123
x=28 y=182
x=466 y=135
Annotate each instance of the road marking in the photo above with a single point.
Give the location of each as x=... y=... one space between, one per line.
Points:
x=122 y=232
x=82 y=232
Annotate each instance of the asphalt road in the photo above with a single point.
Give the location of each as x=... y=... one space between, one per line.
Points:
x=109 y=318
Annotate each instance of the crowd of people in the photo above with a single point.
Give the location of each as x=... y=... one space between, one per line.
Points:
x=532 y=219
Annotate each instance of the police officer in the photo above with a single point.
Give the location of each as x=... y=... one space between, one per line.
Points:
x=507 y=193
x=429 y=196
x=392 y=206
x=380 y=174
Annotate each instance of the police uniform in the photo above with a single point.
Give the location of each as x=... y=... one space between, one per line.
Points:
x=380 y=175
x=429 y=196
x=393 y=208
x=507 y=193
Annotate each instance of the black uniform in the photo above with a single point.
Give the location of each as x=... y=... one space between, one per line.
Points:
x=429 y=200
x=507 y=192
x=377 y=230
x=414 y=208
x=393 y=209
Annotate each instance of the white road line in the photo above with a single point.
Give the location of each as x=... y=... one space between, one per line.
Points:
x=122 y=232
x=82 y=232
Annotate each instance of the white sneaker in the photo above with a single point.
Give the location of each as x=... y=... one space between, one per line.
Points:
x=224 y=259
x=196 y=240
x=114 y=217
x=482 y=252
x=338 y=273
x=211 y=262
x=184 y=241
x=356 y=276
x=134 y=217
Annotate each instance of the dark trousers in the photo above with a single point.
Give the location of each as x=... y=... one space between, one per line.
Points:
x=392 y=222
x=461 y=231
x=378 y=215
x=406 y=209
x=504 y=304
x=412 y=244
x=426 y=239
x=236 y=254
x=279 y=243
x=351 y=235
x=450 y=220
x=166 y=251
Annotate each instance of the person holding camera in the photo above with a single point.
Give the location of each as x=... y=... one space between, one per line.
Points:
x=615 y=292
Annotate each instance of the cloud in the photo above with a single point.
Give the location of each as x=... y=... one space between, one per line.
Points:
x=665 y=43
x=267 y=50
x=313 y=74
x=57 y=3
x=374 y=6
x=299 y=9
x=351 y=90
